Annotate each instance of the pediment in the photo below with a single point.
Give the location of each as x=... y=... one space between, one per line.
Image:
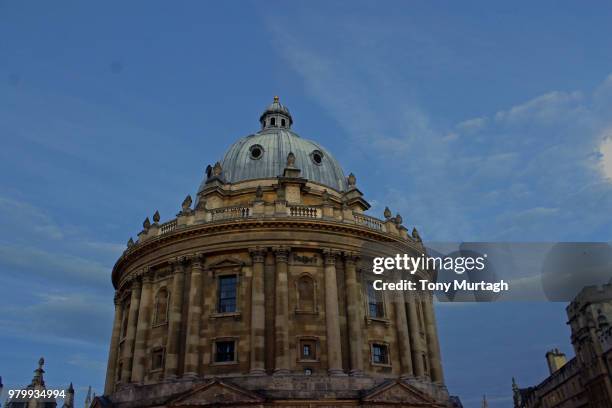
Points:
x=398 y=392
x=226 y=263
x=216 y=393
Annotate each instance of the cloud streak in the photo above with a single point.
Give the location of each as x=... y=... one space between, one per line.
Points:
x=524 y=172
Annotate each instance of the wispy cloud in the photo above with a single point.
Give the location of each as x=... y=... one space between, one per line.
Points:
x=35 y=262
x=526 y=170
x=20 y=215
x=60 y=319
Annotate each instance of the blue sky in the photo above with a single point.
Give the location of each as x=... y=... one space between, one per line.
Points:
x=476 y=121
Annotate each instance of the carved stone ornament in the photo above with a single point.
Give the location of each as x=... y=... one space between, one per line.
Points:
x=156 y=217
x=146 y=224
x=387 y=213
x=352 y=180
x=259 y=193
x=290 y=159
x=130 y=243
x=187 y=204
x=217 y=169
x=398 y=219
x=415 y=235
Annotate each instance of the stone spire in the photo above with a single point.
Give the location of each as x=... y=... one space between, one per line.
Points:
x=69 y=400
x=38 y=374
x=516 y=393
x=88 y=398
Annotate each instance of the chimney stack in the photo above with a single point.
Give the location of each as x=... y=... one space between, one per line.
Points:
x=555 y=360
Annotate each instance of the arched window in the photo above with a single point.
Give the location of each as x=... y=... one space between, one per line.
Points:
x=161 y=306
x=273 y=122
x=306 y=293
x=282 y=122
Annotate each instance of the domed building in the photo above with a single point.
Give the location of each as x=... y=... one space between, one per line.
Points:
x=259 y=292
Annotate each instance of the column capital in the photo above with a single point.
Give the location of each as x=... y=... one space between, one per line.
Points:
x=197 y=260
x=147 y=277
x=178 y=264
x=281 y=253
x=117 y=299
x=330 y=256
x=258 y=254
x=351 y=258
x=136 y=282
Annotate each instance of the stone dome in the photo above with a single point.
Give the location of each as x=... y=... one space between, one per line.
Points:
x=264 y=155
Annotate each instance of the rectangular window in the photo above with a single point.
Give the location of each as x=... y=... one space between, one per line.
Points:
x=375 y=302
x=308 y=349
x=380 y=354
x=224 y=351
x=227 y=294
x=157 y=359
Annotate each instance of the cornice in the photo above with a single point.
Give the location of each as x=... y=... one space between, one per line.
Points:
x=193 y=231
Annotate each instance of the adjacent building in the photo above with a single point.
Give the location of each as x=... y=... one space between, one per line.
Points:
x=585 y=380
x=38 y=395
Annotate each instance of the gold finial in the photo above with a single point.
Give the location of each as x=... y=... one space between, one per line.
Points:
x=276 y=99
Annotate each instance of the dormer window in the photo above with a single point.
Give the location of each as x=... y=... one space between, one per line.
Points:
x=283 y=122
x=272 y=121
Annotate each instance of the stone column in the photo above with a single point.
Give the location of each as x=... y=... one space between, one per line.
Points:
x=403 y=338
x=332 y=321
x=174 y=320
x=111 y=368
x=194 y=318
x=128 y=347
x=415 y=336
x=281 y=310
x=142 y=329
x=258 y=313
x=355 y=317
x=432 y=340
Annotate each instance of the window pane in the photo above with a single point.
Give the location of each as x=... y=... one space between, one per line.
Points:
x=225 y=351
x=375 y=302
x=379 y=354
x=227 y=294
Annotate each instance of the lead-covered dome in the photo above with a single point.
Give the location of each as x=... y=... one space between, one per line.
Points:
x=264 y=155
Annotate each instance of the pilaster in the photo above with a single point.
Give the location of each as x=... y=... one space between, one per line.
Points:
x=194 y=317
x=111 y=368
x=354 y=311
x=281 y=320
x=258 y=311
x=332 y=320
x=128 y=350
x=142 y=328
x=174 y=319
